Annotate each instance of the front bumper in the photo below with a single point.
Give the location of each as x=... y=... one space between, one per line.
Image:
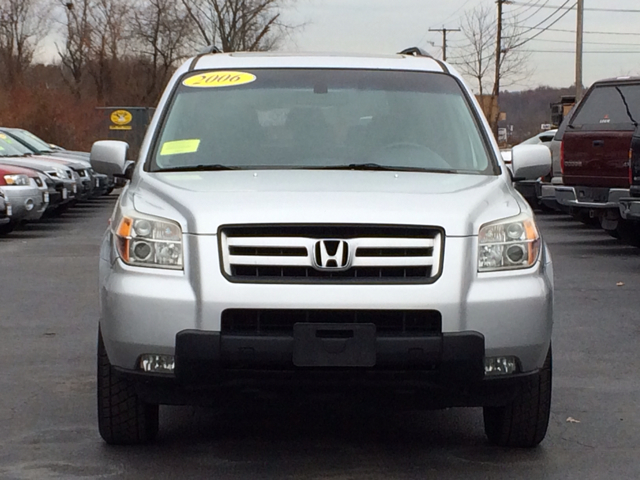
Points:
x=27 y=203
x=590 y=197
x=5 y=211
x=201 y=383
x=630 y=208
x=144 y=311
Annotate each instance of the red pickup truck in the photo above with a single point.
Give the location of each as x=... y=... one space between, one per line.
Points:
x=595 y=154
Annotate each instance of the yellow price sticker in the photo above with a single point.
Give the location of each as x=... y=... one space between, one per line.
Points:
x=178 y=147
x=219 y=79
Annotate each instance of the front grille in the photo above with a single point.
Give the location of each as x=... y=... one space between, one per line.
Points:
x=352 y=254
x=272 y=322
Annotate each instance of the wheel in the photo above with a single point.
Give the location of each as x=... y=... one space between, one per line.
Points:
x=7 y=228
x=123 y=419
x=629 y=232
x=522 y=423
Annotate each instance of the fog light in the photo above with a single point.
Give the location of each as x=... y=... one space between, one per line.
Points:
x=500 y=365
x=154 y=363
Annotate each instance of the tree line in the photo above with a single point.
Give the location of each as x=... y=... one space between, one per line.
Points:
x=112 y=52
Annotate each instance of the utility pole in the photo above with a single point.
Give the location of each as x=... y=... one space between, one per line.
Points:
x=579 y=42
x=444 y=38
x=496 y=83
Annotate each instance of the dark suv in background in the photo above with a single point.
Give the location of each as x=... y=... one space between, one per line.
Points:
x=595 y=154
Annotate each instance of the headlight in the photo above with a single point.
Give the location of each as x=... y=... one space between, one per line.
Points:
x=59 y=172
x=18 y=180
x=508 y=244
x=146 y=241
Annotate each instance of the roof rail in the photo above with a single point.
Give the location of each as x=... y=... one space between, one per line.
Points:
x=205 y=51
x=415 y=51
x=209 y=49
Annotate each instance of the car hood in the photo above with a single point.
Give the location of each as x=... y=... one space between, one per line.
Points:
x=37 y=163
x=76 y=164
x=202 y=201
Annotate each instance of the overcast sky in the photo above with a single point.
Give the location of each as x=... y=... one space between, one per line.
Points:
x=386 y=26
x=391 y=25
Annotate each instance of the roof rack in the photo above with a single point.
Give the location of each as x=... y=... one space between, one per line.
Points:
x=415 y=52
x=209 y=49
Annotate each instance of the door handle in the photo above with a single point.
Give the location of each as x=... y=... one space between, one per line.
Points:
x=598 y=143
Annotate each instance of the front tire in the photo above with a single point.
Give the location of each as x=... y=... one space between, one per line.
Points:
x=523 y=423
x=123 y=418
x=7 y=228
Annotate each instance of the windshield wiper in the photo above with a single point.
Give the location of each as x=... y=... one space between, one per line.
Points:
x=198 y=168
x=384 y=168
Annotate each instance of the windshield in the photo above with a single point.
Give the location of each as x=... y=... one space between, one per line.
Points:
x=290 y=118
x=8 y=147
x=28 y=138
x=15 y=144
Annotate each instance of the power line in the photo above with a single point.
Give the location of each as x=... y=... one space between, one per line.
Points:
x=542 y=30
x=517 y=17
x=528 y=29
x=587 y=43
x=589 y=32
x=592 y=9
x=586 y=51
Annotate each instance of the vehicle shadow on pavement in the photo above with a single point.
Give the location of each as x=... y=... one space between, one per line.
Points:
x=282 y=438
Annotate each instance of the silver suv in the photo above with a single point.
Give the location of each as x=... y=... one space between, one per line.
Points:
x=328 y=222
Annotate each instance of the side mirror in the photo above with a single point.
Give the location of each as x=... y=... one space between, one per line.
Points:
x=109 y=157
x=530 y=162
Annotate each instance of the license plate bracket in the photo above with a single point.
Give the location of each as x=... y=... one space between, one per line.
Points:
x=334 y=345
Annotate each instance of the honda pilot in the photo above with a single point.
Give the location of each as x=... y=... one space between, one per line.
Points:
x=327 y=223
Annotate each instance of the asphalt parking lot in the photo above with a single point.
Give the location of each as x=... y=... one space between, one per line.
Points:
x=48 y=326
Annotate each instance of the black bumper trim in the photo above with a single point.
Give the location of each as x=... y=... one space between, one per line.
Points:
x=202 y=356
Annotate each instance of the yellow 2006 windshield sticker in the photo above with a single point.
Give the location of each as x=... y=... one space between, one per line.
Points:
x=178 y=147
x=219 y=79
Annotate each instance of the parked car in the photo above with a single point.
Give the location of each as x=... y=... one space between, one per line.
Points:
x=530 y=189
x=25 y=191
x=41 y=147
x=595 y=152
x=90 y=183
x=330 y=222
x=546 y=189
x=5 y=210
x=58 y=177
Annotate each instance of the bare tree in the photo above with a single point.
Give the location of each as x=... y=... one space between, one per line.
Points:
x=23 y=23
x=162 y=35
x=238 y=25
x=77 y=47
x=109 y=30
x=477 y=58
